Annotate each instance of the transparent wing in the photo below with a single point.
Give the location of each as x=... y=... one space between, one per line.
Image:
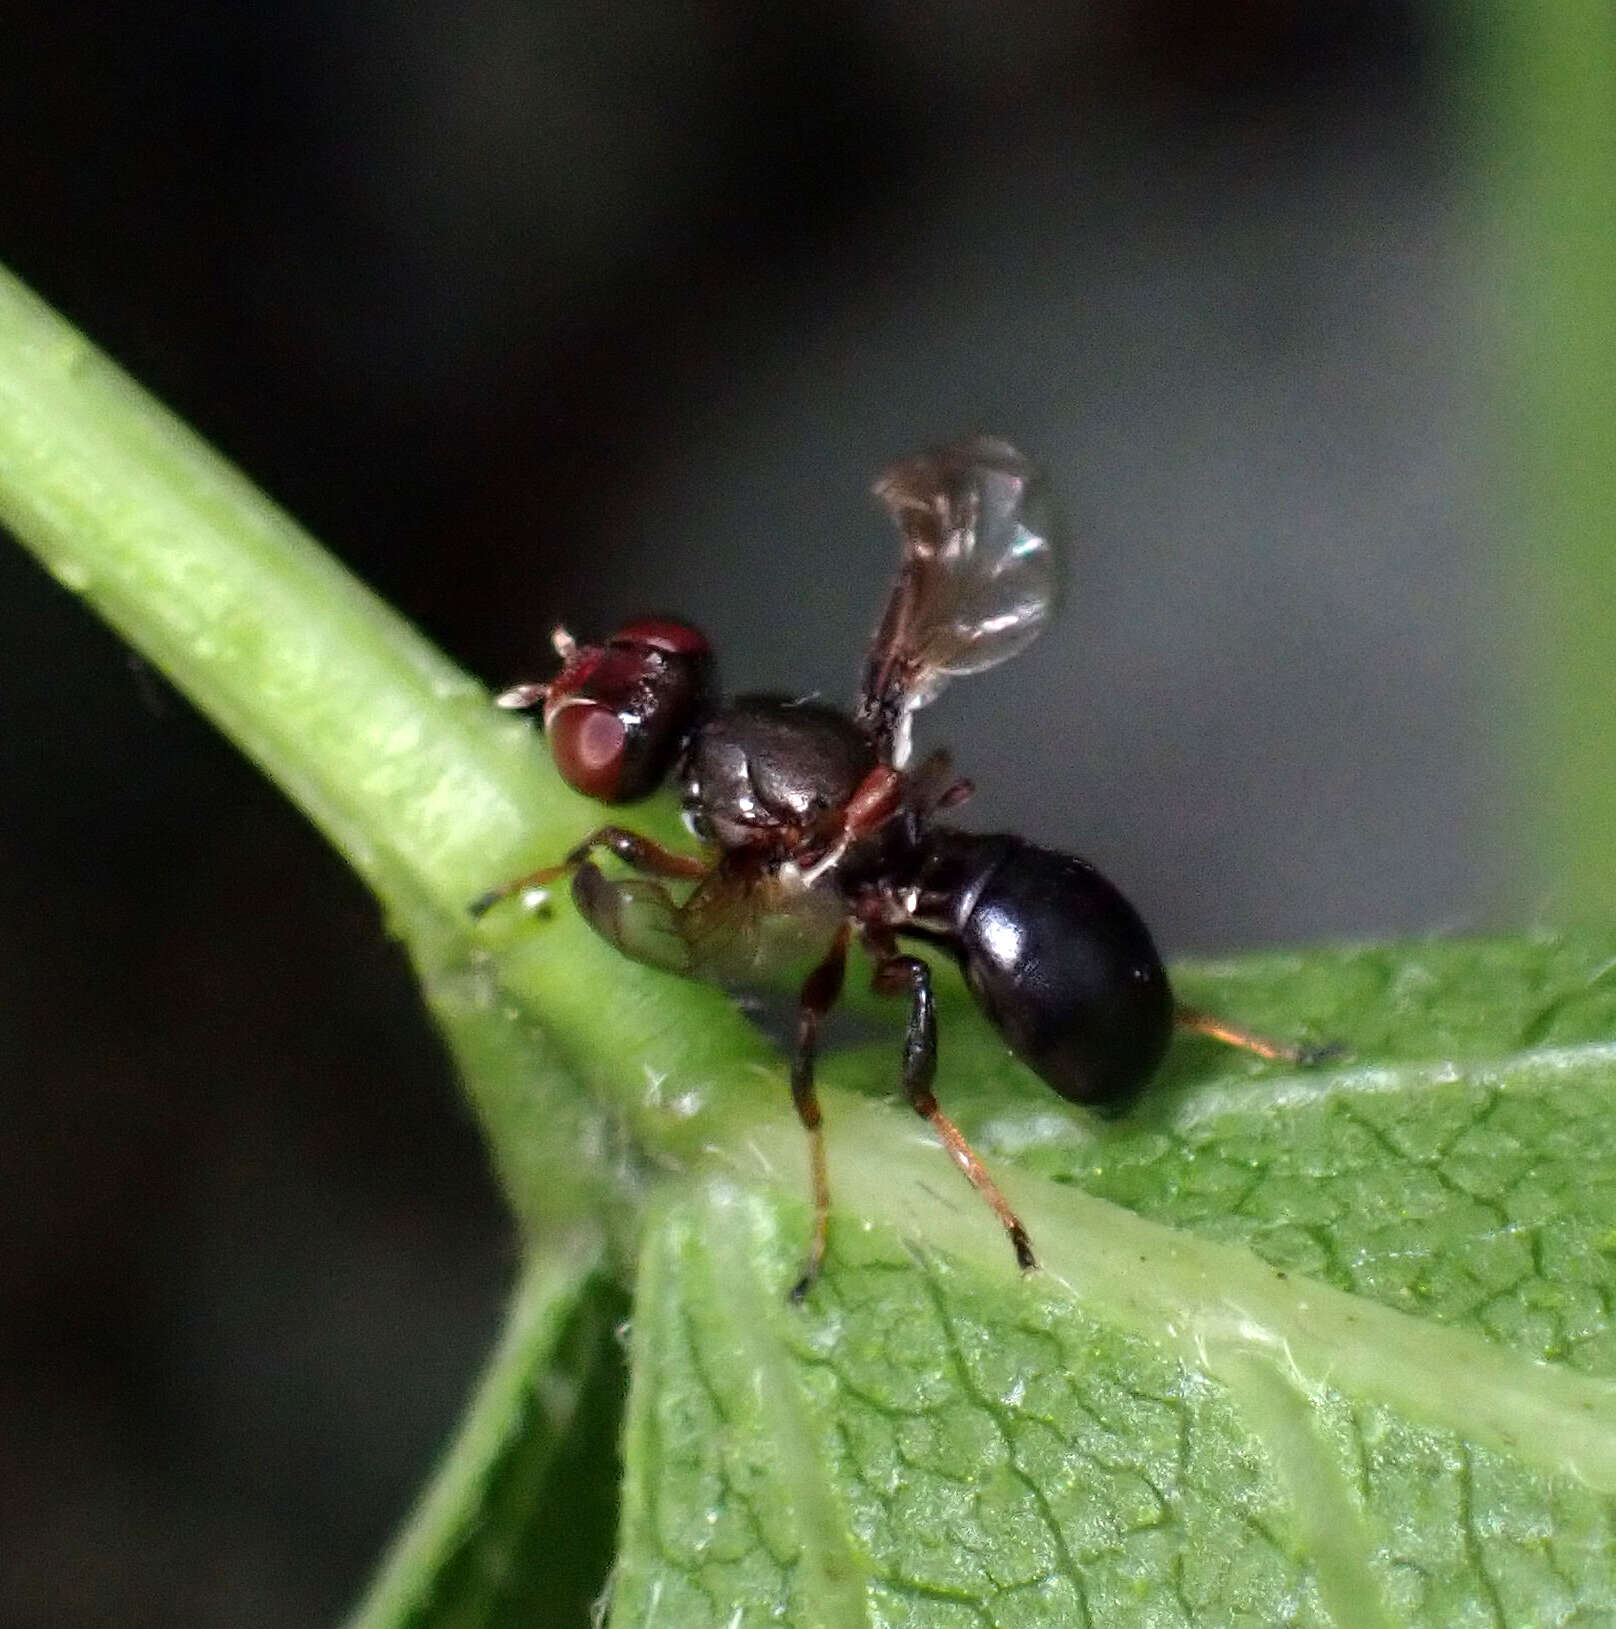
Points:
x=977 y=583
x=721 y=922
x=762 y=929
x=737 y=926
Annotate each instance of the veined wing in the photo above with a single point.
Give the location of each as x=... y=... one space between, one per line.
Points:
x=976 y=585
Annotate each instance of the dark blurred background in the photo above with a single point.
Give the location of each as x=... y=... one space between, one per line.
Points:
x=532 y=313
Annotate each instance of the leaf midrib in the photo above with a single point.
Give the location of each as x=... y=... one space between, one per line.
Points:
x=1215 y=1304
x=1295 y=1090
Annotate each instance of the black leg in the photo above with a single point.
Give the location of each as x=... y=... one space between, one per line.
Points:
x=897 y=975
x=819 y=994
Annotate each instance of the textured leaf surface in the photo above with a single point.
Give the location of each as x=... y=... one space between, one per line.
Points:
x=1315 y=1349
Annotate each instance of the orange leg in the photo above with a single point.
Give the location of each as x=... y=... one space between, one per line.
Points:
x=899 y=975
x=1218 y=1029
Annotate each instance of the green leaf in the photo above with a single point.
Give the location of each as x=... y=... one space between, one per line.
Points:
x=1329 y=1348
x=1318 y=1349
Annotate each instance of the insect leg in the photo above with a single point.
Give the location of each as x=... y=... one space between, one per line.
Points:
x=632 y=849
x=894 y=975
x=1218 y=1029
x=819 y=993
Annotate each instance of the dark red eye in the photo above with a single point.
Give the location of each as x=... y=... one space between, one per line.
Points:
x=588 y=742
x=618 y=715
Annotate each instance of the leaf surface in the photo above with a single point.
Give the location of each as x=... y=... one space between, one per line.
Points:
x=1327 y=1348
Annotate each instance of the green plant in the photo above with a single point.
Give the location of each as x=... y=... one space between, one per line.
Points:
x=1306 y=1349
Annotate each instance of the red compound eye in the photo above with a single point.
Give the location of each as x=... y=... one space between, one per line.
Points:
x=588 y=743
x=617 y=715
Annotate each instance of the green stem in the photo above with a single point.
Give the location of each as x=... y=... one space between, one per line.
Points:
x=389 y=748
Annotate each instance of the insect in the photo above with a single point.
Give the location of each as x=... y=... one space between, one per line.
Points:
x=817 y=831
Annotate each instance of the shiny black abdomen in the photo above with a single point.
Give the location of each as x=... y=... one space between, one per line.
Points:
x=1060 y=962
x=762 y=763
